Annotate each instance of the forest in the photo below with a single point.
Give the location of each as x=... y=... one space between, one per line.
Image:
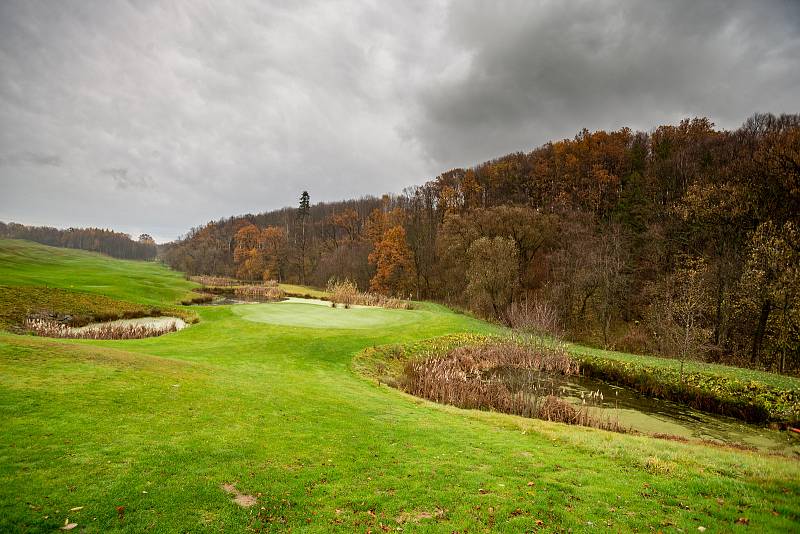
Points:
x=682 y=241
x=115 y=244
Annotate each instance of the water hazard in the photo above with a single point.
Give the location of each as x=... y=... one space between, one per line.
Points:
x=646 y=414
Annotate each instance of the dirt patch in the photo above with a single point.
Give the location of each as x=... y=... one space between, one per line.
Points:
x=416 y=517
x=242 y=499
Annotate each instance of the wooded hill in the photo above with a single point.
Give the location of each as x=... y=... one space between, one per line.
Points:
x=108 y=242
x=681 y=241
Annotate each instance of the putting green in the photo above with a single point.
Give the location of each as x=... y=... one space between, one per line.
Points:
x=315 y=316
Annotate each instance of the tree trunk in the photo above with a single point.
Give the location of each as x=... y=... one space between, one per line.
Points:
x=758 y=336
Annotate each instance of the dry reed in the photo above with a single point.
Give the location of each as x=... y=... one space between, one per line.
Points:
x=215 y=281
x=269 y=291
x=41 y=327
x=346 y=293
x=457 y=379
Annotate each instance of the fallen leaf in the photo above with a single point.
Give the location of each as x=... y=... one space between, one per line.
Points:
x=76 y=509
x=69 y=526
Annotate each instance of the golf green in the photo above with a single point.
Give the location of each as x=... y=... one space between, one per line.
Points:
x=315 y=316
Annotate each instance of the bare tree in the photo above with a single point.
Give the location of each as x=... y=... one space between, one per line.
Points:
x=677 y=315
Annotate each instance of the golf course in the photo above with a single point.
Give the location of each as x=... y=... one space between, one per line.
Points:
x=254 y=419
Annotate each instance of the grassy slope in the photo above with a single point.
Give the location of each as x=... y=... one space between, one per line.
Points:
x=23 y=263
x=156 y=425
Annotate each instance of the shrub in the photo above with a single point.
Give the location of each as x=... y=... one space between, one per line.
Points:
x=535 y=317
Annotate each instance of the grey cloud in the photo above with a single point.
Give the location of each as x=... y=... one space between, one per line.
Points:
x=124 y=179
x=31 y=158
x=211 y=109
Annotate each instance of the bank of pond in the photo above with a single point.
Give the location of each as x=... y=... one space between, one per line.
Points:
x=536 y=378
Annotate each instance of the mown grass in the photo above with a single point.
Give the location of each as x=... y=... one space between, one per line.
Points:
x=23 y=263
x=158 y=425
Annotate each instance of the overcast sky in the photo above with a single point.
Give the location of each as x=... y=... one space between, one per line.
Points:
x=156 y=116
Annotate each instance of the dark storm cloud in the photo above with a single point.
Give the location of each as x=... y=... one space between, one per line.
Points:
x=153 y=117
x=528 y=72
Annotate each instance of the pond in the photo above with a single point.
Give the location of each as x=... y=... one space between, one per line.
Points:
x=646 y=414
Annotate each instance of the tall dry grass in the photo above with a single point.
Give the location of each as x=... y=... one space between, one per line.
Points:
x=268 y=291
x=41 y=327
x=457 y=379
x=346 y=293
x=215 y=281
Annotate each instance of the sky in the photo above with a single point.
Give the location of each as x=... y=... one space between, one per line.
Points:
x=158 y=116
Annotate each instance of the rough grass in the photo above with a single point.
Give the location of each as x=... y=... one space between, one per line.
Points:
x=156 y=427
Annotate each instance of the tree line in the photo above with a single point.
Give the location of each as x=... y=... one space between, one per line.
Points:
x=108 y=242
x=681 y=241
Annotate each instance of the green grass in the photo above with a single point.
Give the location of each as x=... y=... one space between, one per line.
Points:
x=157 y=425
x=23 y=263
x=315 y=316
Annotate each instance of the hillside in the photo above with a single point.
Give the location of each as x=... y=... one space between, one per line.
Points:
x=164 y=433
x=109 y=242
x=610 y=231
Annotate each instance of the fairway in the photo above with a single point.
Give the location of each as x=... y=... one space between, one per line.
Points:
x=312 y=315
x=261 y=402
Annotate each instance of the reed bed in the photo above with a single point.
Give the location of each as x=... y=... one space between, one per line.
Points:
x=346 y=293
x=269 y=291
x=266 y=291
x=41 y=327
x=215 y=281
x=456 y=378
